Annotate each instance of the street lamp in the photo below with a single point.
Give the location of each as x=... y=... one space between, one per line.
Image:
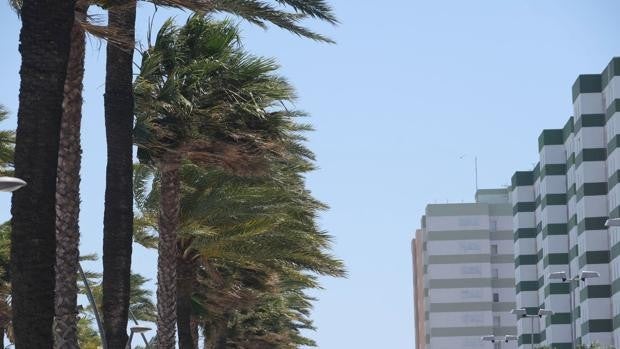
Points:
x=612 y=222
x=561 y=275
x=8 y=184
x=522 y=313
x=135 y=329
x=494 y=339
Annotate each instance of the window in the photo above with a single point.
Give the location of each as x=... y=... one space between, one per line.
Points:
x=495 y=297
x=497 y=345
x=494 y=250
x=493 y=226
x=495 y=273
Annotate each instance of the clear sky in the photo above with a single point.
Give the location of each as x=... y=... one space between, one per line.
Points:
x=410 y=87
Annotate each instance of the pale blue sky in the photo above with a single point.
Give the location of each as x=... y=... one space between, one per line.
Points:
x=410 y=87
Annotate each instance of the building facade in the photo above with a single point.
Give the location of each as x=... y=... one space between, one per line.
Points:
x=464 y=273
x=559 y=214
x=418 y=289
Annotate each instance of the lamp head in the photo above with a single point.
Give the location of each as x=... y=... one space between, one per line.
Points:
x=9 y=184
x=588 y=275
x=544 y=312
x=558 y=275
x=519 y=312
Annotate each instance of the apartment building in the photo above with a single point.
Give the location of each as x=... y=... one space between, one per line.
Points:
x=559 y=213
x=464 y=273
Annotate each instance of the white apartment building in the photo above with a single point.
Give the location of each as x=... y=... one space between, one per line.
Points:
x=560 y=209
x=464 y=273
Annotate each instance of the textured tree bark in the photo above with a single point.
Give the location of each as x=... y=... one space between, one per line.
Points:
x=68 y=191
x=195 y=335
x=44 y=47
x=118 y=212
x=169 y=208
x=185 y=283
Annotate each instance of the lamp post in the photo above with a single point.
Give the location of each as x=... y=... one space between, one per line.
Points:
x=561 y=275
x=522 y=313
x=494 y=339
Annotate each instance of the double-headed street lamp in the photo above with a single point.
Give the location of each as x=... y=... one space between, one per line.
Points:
x=522 y=313
x=494 y=339
x=582 y=276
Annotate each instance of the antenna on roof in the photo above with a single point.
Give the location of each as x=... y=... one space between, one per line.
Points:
x=476 y=171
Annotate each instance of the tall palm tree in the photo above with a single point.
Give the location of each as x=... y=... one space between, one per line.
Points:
x=44 y=46
x=68 y=190
x=118 y=100
x=118 y=211
x=200 y=97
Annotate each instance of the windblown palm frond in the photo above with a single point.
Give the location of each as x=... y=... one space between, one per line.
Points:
x=285 y=14
x=200 y=96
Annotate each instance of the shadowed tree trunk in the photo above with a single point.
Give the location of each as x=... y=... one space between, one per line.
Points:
x=185 y=282
x=118 y=213
x=194 y=329
x=68 y=191
x=44 y=46
x=169 y=208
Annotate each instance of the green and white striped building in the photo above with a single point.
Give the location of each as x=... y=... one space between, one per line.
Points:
x=465 y=273
x=559 y=214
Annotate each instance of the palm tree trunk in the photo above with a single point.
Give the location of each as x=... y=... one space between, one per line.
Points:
x=44 y=46
x=185 y=283
x=118 y=212
x=169 y=208
x=194 y=329
x=68 y=191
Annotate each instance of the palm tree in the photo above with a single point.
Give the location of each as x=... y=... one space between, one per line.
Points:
x=236 y=234
x=119 y=113
x=199 y=97
x=44 y=46
x=118 y=211
x=68 y=190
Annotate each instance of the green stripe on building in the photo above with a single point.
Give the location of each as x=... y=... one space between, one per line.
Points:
x=556 y=288
x=589 y=120
x=555 y=259
x=595 y=291
x=555 y=229
x=592 y=189
x=527 y=286
x=568 y=129
x=613 y=108
x=550 y=137
x=591 y=154
x=526 y=259
x=594 y=257
x=597 y=326
x=524 y=207
x=591 y=223
x=612 y=69
x=525 y=233
x=522 y=178
x=587 y=83
x=557 y=319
